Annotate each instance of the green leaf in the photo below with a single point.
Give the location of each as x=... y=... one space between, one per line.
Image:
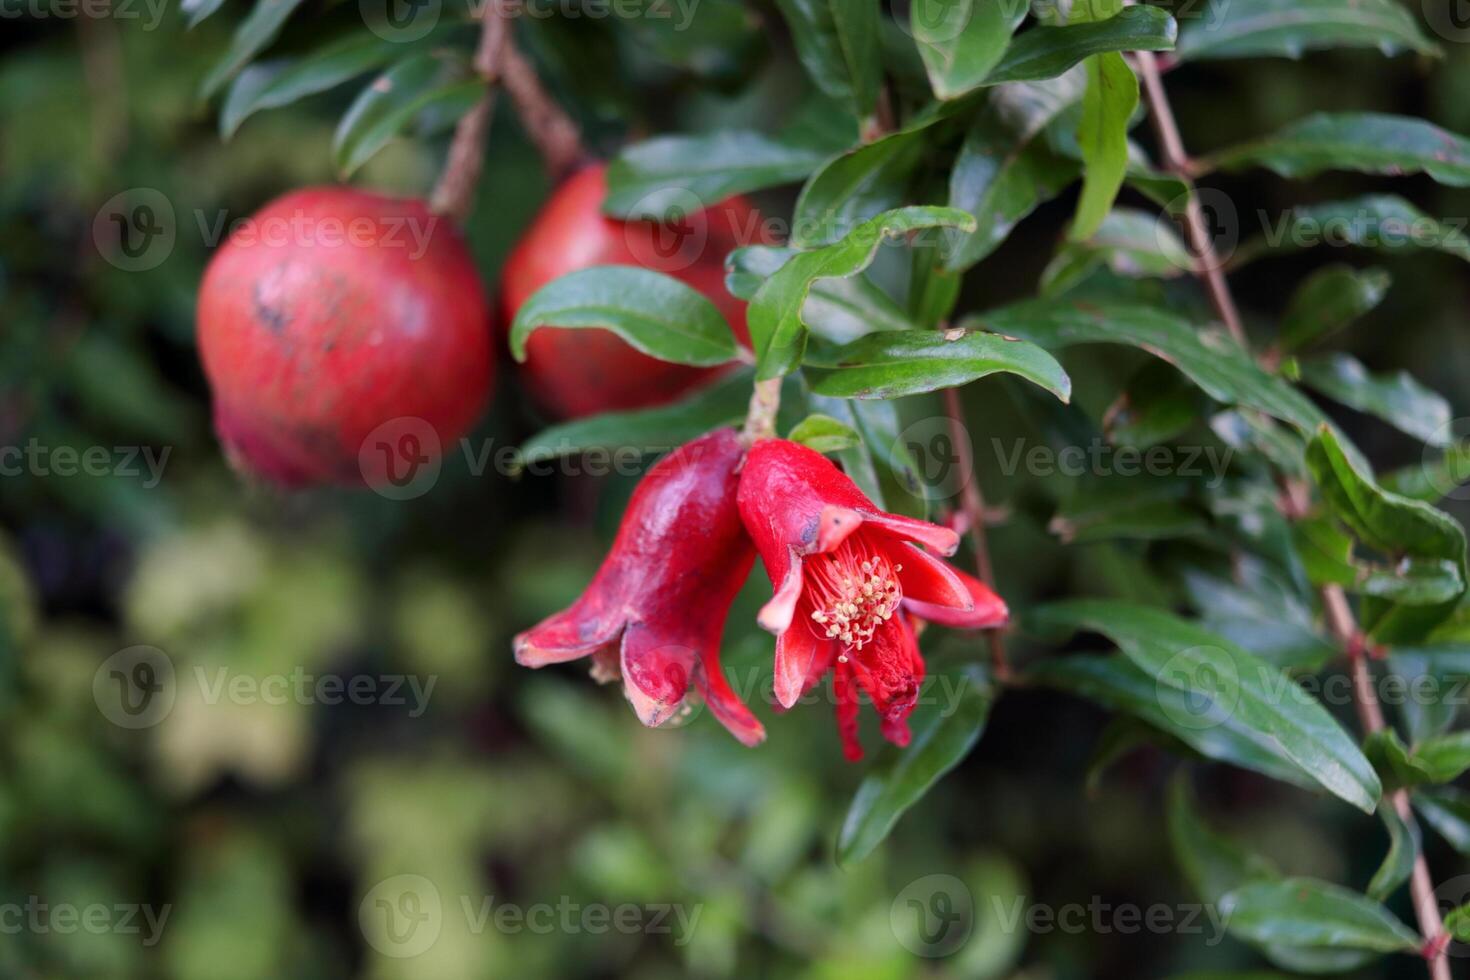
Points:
x=824 y=434
x=1383 y=222
x=254 y=35
x=893 y=364
x=1394 y=526
x=1432 y=480
x=1116 y=682
x=1211 y=360
x=1398 y=863
x=1046 y=52
x=1231 y=685
x=838 y=310
x=1447 y=810
x=1102 y=134
x=1130 y=243
x=775 y=312
x=319 y=71
x=655 y=313
x=1287 y=28
x=1311 y=913
x=1394 y=763
x=1003 y=170
x=1139 y=508
x=961 y=42
x=1367 y=142
x=1214 y=864
x=1395 y=398
x=942 y=736
x=1328 y=300
x=199 y=10
x=854 y=186
x=653 y=178
x=1382 y=520
x=1457 y=924
x=432 y=80
x=1260 y=612
x=837 y=42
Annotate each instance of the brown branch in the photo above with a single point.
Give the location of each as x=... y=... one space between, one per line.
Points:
x=1339 y=615
x=550 y=129
x=1208 y=265
x=973 y=502
x=454 y=194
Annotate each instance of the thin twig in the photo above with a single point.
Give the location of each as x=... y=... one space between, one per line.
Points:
x=454 y=195
x=1176 y=161
x=973 y=502
x=554 y=134
x=1339 y=614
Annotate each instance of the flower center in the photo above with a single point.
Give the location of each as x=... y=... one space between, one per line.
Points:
x=854 y=590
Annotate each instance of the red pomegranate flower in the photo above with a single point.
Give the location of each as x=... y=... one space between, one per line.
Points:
x=848 y=580
x=656 y=608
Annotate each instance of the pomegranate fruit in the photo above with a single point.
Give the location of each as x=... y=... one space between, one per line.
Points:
x=572 y=373
x=330 y=314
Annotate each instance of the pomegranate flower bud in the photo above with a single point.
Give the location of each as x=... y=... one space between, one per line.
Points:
x=847 y=577
x=656 y=608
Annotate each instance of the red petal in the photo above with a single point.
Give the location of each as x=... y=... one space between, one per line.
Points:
x=927 y=579
x=656 y=674
x=845 y=693
x=799 y=656
x=940 y=539
x=726 y=705
x=989 y=609
x=777 y=613
x=584 y=628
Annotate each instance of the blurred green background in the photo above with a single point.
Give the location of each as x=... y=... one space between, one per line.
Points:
x=264 y=829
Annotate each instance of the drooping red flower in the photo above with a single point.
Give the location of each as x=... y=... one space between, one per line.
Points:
x=848 y=577
x=656 y=608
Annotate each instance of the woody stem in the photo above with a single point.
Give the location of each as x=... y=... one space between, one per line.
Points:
x=973 y=502
x=760 y=419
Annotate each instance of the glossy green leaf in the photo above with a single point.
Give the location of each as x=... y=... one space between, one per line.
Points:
x=1395 y=398
x=1004 y=170
x=962 y=41
x=854 y=186
x=1287 y=28
x=1102 y=135
x=319 y=71
x=1328 y=300
x=1129 y=242
x=1213 y=361
x=255 y=33
x=657 y=177
x=431 y=81
x=655 y=313
x=1229 y=685
x=893 y=364
x=1368 y=142
x=1259 y=612
x=648 y=430
x=838 y=310
x=1447 y=810
x=824 y=434
x=1139 y=508
x=1046 y=52
x=1116 y=682
x=775 y=312
x=942 y=736
x=1398 y=863
x=1395 y=764
x=837 y=42
x=1381 y=222
x=1311 y=913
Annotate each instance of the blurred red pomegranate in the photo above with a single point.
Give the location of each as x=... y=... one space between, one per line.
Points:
x=331 y=313
x=572 y=373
